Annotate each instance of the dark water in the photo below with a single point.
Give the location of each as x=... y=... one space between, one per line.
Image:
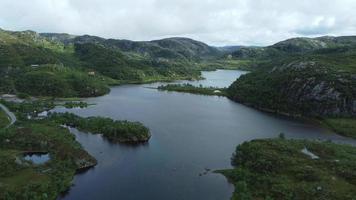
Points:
x=189 y=133
x=37 y=158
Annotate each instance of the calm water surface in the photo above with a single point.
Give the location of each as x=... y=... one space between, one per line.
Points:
x=189 y=133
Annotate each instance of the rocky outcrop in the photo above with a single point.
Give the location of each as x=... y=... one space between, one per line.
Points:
x=299 y=88
x=85 y=161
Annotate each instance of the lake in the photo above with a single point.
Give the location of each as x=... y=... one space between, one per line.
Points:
x=190 y=134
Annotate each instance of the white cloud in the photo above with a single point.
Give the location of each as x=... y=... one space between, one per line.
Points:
x=217 y=22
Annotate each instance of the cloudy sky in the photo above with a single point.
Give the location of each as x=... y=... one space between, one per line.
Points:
x=216 y=22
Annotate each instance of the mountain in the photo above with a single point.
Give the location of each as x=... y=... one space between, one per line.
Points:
x=311 y=44
x=24 y=53
x=301 y=76
x=169 y=48
x=294 y=46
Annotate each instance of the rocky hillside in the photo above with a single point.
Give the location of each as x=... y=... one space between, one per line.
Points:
x=294 y=46
x=169 y=48
x=315 y=79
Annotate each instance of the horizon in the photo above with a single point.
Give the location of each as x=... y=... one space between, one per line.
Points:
x=228 y=45
x=217 y=23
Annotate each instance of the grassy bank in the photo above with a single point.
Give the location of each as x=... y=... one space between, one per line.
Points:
x=342 y=126
x=278 y=169
x=188 y=88
x=4 y=120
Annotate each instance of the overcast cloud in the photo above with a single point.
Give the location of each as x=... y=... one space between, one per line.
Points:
x=216 y=22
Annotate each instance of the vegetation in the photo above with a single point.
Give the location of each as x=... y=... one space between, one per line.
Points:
x=29 y=108
x=343 y=126
x=189 y=88
x=278 y=169
x=312 y=81
x=115 y=64
x=4 y=119
x=57 y=81
x=117 y=131
x=61 y=65
x=21 y=179
x=229 y=64
x=307 y=77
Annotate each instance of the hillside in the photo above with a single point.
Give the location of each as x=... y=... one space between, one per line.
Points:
x=294 y=46
x=229 y=49
x=27 y=54
x=169 y=48
x=310 y=44
x=308 y=77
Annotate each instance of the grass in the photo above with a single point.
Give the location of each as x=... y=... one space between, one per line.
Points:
x=4 y=119
x=23 y=177
x=343 y=126
x=277 y=169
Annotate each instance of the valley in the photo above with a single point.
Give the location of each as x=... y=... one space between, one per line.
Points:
x=90 y=103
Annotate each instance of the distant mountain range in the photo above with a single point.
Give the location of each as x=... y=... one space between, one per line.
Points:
x=169 y=48
x=121 y=60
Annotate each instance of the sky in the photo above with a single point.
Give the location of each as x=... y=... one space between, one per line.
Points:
x=215 y=22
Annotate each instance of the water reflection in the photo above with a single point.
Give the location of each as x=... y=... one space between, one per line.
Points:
x=37 y=157
x=190 y=133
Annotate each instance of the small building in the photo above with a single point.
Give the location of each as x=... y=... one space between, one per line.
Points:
x=35 y=65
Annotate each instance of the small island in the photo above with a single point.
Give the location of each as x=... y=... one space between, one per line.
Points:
x=293 y=169
x=115 y=131
x=189 y=88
